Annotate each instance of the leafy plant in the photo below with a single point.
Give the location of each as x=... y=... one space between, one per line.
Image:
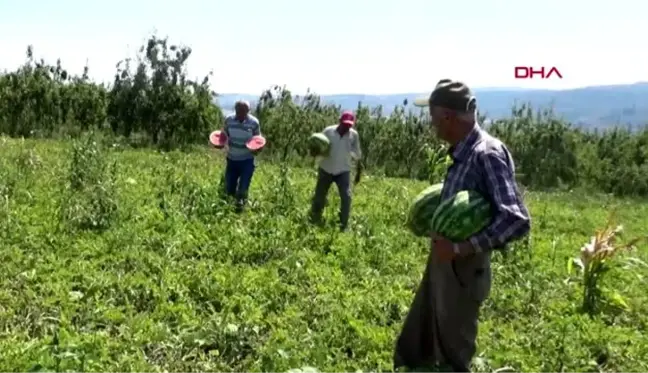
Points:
x=89 y=201
x=595 y=261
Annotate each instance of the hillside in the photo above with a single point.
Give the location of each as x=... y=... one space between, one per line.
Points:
x=591 y=107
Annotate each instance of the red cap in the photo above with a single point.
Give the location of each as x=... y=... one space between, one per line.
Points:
x=347 y=118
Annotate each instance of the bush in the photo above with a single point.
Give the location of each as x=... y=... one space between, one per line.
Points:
x=153 y=103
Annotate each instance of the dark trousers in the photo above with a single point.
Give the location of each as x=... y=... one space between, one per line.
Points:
x=441 y=326
x=238 y=176
x=324 y=181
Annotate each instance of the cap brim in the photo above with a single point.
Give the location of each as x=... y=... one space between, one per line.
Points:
x=348 y=122
x=421 y=101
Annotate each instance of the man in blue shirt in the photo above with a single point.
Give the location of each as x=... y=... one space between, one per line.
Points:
x=240 y=127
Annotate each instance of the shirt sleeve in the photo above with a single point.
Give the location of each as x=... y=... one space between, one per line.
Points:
x=511 y=218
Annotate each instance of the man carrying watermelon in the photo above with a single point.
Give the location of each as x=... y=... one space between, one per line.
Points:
x=239 y=129
x=335 y=167
x=441 y=327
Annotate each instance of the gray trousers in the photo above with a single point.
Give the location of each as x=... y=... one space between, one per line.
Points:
x=324 y=181
x=441 y=327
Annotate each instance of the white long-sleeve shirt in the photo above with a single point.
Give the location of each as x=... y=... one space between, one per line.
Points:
x=343 y=149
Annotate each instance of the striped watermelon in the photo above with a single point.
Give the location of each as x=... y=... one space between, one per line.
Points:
x=422 y=210
x=318 y=144
x=461 y=215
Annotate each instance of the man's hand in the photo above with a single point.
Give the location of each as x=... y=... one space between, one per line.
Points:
x=447 y=250
x=443 y=248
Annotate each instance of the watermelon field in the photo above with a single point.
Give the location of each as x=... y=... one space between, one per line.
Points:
x=118 y=259
x=118 y=252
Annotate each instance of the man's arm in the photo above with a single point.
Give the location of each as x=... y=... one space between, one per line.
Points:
x=511 y=218
x=356 y=151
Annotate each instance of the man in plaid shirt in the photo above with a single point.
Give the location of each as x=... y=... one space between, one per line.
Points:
x=442 y=325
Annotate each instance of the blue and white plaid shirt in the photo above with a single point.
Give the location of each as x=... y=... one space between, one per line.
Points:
x=483 y=163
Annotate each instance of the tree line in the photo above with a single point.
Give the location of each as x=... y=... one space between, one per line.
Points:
x=152 y=102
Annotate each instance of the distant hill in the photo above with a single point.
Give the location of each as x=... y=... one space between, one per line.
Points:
x=592 y=107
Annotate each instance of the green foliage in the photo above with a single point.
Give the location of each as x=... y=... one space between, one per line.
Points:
x=89 y=197
x=155 y=100
x=148 y=268
x=158 y=99
x=597 y=258
x=41 y=100
x=152 y=102
x=177 y=281
x=549 y=153
x=438 y=162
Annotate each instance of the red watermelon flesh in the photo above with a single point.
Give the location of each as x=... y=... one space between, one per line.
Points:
x=218 y=139
x=256 y=143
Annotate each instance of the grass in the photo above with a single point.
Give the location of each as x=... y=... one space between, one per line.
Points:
x=174 y=280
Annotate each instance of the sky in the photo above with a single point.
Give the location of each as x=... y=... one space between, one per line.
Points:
x=343 y=46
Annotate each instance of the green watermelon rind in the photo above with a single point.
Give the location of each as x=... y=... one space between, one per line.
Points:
x=449 y=210
x=456 y=218
x=422 y=210
x=462 y=215
x=320 y=143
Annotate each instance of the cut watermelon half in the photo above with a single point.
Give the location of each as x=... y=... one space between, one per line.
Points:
x=256 y=143
x=218 y=139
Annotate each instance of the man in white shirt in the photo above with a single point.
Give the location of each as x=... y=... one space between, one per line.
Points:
x=336 y=168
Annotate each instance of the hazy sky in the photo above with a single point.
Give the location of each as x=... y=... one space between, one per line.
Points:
x=343 y=46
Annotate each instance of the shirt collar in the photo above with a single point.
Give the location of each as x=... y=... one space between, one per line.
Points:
x=460 y=150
